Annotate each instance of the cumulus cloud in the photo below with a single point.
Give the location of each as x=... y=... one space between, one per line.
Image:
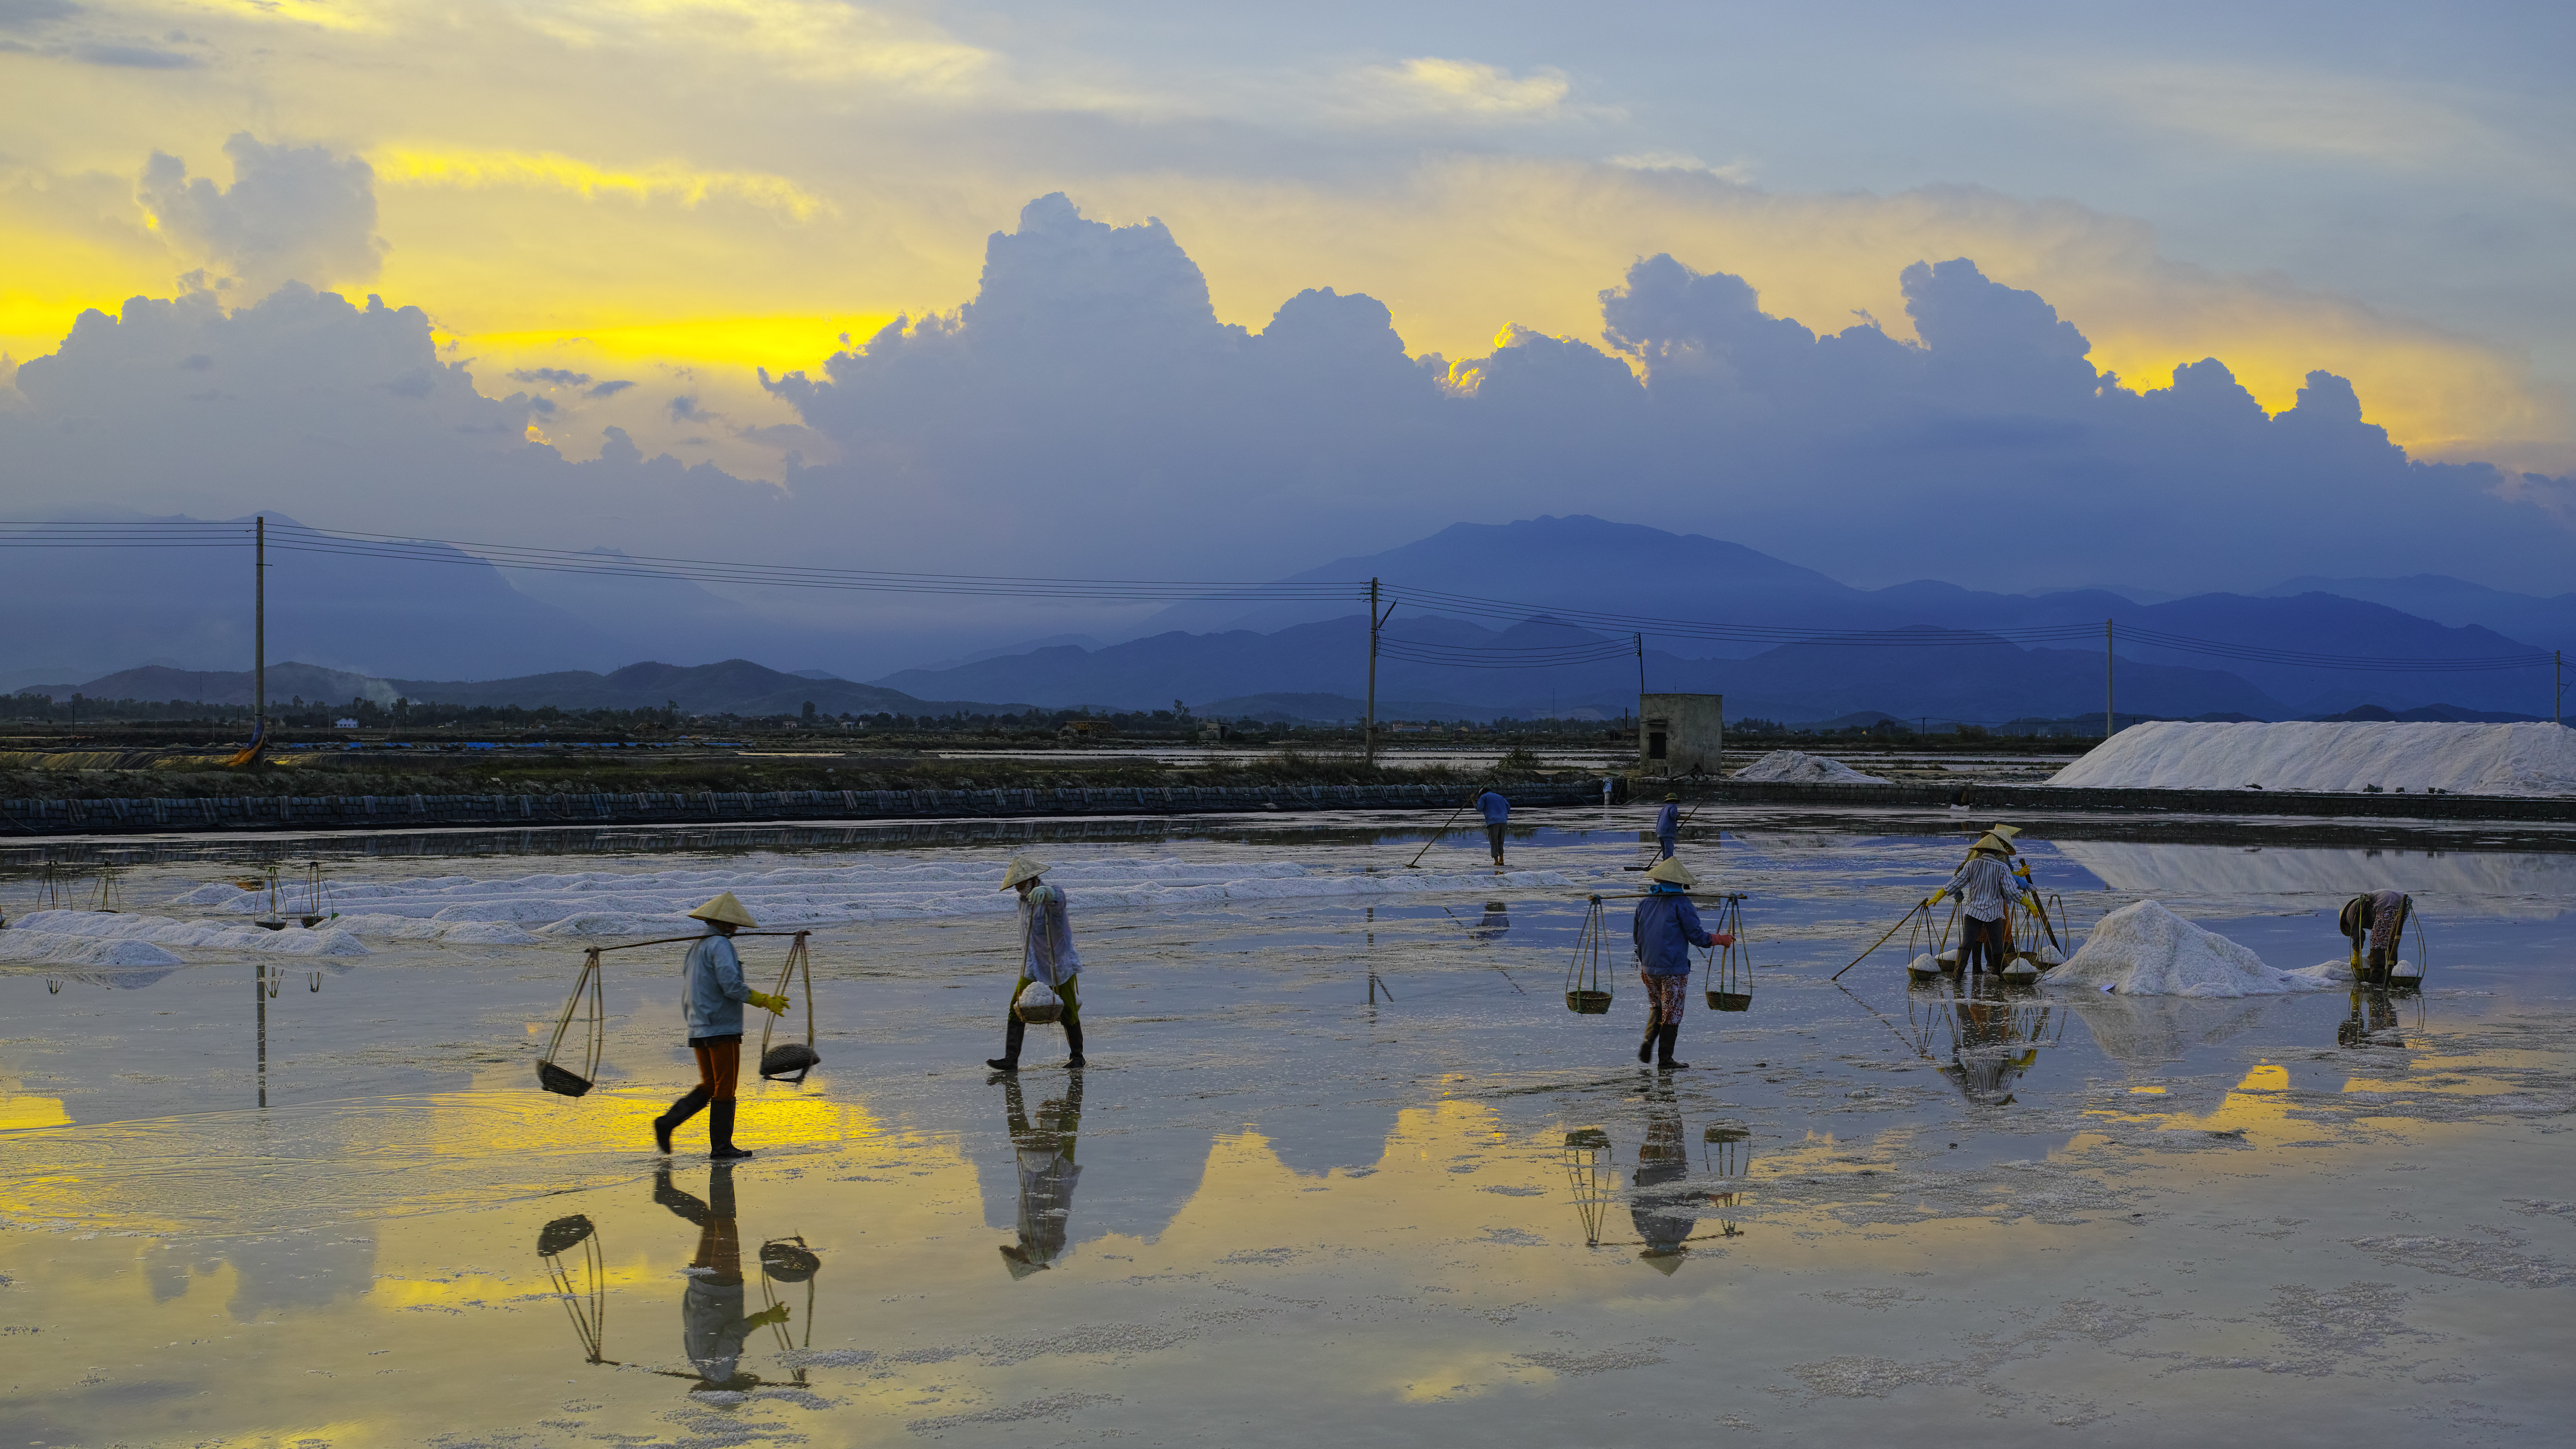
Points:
x=292 y=213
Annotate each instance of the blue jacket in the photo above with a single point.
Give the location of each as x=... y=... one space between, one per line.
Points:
x=711 y=987
x=1668 y=822
x=1667 y=927
x=1494 y=808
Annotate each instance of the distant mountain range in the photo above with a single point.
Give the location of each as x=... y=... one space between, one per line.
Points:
x=462 y=631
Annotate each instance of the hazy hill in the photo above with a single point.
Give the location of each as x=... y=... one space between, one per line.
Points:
x=735 y=686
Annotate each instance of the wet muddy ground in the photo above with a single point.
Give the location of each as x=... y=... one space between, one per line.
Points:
x=1274 y=1210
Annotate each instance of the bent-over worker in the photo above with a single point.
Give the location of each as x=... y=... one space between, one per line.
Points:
x=1989 y=888
x=712 y=993
x=1668 y=826
x=1666 y=928
x=1046 y=956
x=1497 y=811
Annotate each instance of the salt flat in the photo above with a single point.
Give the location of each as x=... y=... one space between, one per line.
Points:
x=1298 y=1213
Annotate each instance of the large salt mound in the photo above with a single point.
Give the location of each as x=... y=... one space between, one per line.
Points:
x=54 y=948
x=163 y=931
x=2468 y=759
x=2146 y=950
x=1800 y=768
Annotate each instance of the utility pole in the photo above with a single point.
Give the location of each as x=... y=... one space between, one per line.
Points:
x=259 y=634
x=2108 y=713
x=2557 y=684
x=1641 y=670
x=1368 y=729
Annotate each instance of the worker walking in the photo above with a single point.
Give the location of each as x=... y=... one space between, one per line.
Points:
x=1666 y=928
x=1989 y=888
x=1668 y=826
x=712 y=993
x=1497 y=811
x=1047 y=958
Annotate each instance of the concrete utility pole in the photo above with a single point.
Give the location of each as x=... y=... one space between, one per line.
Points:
x=1368 y=729
x=2557 y=684
x=1641 y=665
x=259 y=637
x=2108 y=713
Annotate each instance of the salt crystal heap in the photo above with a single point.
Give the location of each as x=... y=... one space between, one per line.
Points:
x=1800 y=768
x=2146 y=950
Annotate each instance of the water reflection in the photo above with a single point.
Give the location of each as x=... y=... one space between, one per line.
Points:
x=1991 y=1031
x=1664 y=1203
x=587 y=1303
x=1660 y=1207
x=712 y=1323
x=1044 y=1154
x=2372 y=1021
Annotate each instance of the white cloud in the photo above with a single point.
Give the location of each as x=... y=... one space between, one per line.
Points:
x=1465 y=89
x=2390 y=123
x=293 y=213
x=555 y=171
x=1736 y=171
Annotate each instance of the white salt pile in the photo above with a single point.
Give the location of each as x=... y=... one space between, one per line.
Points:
x=1800 y=768
x=115 y=926
x=518 y=910
x=2466 y=759
x=2146 y=950
x=55 y=948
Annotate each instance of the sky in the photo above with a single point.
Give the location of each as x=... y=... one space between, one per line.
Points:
x=603 y=233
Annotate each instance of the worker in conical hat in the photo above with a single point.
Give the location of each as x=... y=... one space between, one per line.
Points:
x=712 y=993
x=1668 y=826
x=1989 y=888
x=1046 y=955
x=1666 y=928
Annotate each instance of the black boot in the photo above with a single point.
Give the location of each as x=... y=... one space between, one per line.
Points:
x=689 y=1207
x=1009 y=1060
x=681 y=1111
x=1073 y=1044
x=1664 y=1059
x=1646 y=1048
x=720 y=1146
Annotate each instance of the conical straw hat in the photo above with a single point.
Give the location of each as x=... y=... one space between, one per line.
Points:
x=726 y=909
x=1023 y=867
x=1672 y=872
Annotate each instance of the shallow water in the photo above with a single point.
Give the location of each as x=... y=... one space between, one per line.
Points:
x=1284 y=1204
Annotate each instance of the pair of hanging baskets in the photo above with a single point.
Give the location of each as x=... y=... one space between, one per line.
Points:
x=1730 y=986
x=786 y=1061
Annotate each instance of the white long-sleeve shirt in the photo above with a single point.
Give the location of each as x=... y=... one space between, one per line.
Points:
x=1988 y=886
x=1049 y=954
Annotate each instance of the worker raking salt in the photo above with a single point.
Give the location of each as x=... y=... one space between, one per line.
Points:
x=1048 y=966
x=712 y=993
x=1666 y=929
x=1497 y=811
x=1668 y=827
x=1988 y=887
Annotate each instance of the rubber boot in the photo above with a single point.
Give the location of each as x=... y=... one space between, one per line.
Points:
x=688 y=1207
x=720 y=1146
x=681 y=1111
x=2376 y=969
x=1646 y=1048
x=1073 y=1043
x=1664 y=1058
x=1009 y=1060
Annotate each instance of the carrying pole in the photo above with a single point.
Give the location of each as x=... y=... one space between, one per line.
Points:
x=1874 y=945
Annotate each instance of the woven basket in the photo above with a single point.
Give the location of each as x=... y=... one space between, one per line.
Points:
x=562 y=1233
x=1730 y=1001
x=561 y=1079
x=1588 y=1003
x=1039 y=1005
x=789 y=1262
x=789 y=1059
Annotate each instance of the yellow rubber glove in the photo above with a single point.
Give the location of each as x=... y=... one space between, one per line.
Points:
x=1930 y=901
x=774 y=1313
x=774 y=1005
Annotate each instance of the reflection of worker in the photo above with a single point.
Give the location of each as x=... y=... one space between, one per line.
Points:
x=712 y=992
x=1666 y=928
x=1497 y=811
x=1044 y=1158
x=2372 y=1012
x=1989 y=1051
x=1988 y=887
x=712 y=1323
x=1496 y=923
x=1668 y=827
x=1666 y=1213
x=1046 y=956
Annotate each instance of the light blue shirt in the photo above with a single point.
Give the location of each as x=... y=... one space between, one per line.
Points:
x=711 y=987
x=1668 y=822
x=1048 y=937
